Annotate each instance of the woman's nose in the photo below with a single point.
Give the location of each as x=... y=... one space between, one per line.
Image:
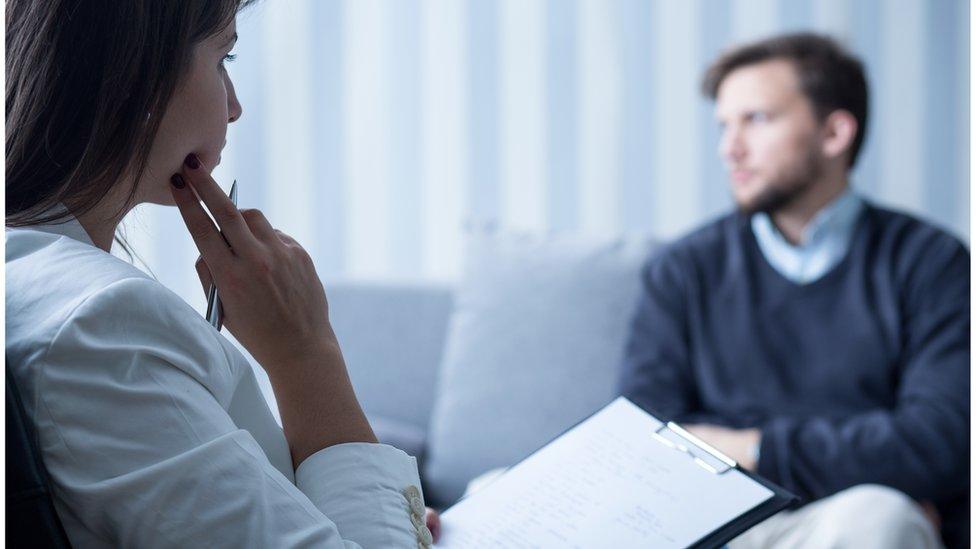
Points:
x=234 y=109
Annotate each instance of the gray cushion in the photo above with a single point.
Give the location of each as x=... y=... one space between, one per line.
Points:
x=534 y=346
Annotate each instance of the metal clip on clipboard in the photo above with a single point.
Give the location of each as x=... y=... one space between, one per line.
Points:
x=705 y=456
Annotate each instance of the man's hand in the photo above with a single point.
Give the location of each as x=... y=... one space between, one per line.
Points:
x=739 y=444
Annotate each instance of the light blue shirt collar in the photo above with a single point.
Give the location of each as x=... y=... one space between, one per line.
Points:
x=825 y=241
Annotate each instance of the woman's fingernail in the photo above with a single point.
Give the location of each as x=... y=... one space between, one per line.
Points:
x=177 y=181
x=192 y=161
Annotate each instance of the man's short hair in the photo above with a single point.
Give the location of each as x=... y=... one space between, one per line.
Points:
x=830 y=77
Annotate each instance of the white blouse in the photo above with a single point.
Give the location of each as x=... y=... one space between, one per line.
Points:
x=152 y=425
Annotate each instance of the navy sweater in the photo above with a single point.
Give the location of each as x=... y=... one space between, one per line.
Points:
x=861 y=376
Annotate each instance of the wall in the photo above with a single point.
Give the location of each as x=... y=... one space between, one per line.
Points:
x=375 y=131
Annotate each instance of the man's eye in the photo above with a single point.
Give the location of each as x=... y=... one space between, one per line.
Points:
x=758 y=117
x=229 y=58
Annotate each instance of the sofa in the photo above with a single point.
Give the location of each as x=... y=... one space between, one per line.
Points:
x=475 y=374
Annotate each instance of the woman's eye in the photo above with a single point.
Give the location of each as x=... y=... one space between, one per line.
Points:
x=229 y=58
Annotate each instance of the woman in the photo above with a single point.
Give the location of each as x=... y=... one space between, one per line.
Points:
x=150 y=422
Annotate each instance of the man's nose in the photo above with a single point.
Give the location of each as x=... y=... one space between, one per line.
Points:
x=731 y=146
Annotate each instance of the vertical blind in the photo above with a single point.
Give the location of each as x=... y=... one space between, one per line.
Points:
x=376 y=131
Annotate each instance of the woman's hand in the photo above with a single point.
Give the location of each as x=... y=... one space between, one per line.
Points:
x=274 y=304
x=273 y=301
x=433 y=521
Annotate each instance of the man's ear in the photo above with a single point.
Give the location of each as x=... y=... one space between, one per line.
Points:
x=839 y=130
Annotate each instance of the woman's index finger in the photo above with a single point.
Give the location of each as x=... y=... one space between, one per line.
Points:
x=202 y=230
x=221 y=207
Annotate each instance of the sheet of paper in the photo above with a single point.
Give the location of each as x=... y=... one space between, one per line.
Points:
x=605 y=483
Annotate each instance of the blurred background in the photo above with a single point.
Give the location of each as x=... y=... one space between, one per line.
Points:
x=377 y=131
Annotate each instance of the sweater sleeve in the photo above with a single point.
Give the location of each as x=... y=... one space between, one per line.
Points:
x=920 y=445
x=656 y=371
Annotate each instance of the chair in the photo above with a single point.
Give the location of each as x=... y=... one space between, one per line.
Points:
x=31 y=518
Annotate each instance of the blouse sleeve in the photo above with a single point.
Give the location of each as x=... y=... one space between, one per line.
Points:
x=131 y=416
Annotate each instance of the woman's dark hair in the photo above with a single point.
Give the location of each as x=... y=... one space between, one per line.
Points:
x=87 y=84
x=829 y=77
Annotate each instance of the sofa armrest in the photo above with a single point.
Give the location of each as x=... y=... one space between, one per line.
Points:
x=399 y=434
x=392 y=336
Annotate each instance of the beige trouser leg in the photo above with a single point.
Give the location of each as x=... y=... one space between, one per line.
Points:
x=861 y=517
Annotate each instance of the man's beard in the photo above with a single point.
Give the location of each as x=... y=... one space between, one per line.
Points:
x=782 y=193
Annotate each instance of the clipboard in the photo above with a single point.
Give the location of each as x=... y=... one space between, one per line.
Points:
x=471 y=511
x=714 y=461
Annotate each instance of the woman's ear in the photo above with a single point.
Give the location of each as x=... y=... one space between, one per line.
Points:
x=840 y=129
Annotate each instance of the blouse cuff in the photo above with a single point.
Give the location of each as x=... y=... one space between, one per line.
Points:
x=371 y=491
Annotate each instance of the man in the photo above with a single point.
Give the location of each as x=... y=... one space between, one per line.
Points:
x=816 y=338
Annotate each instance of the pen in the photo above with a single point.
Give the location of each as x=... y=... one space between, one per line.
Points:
x=214 y=315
